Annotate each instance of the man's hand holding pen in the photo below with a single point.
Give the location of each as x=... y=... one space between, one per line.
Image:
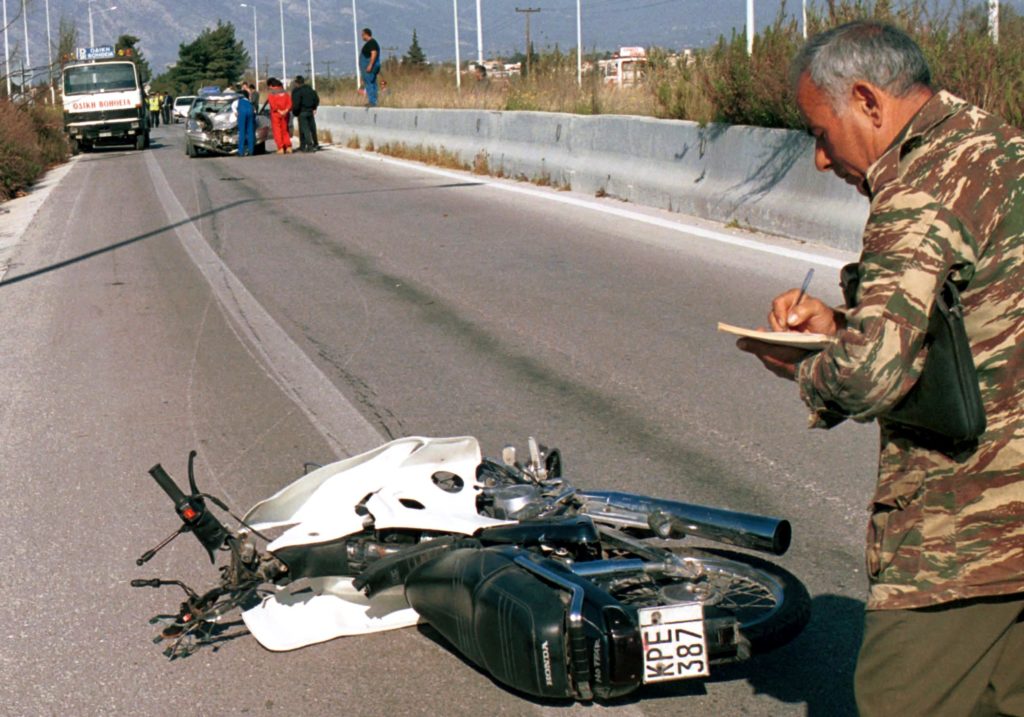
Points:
x=793 y=310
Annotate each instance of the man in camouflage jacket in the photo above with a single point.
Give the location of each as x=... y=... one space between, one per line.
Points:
x=944 y=631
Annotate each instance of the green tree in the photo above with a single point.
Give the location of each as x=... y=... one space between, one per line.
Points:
x=215 y=57
x=415 y=56
x=67 y=39
x=128 y=44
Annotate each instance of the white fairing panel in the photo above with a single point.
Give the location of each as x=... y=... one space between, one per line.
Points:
x=319 y=609
x=395 y=485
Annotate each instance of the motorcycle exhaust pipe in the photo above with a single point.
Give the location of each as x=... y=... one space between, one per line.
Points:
x=674 y=519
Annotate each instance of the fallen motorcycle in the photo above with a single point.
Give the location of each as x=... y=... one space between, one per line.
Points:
x=552 y=590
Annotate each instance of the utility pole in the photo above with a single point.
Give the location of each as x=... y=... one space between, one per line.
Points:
x=993 y=21
x=750 y=27
x=803 y=18
x=284 y=63
x=312 y=67
x=579 y=45
x=7 y=54
x=255 y=44
x=355 y=45
x=479 y=36
x=458 y=58
x=328 y=63
x=49 y=56
x=528 y=11
x=24 y=21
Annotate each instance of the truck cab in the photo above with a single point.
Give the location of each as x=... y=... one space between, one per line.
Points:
x=104 y=104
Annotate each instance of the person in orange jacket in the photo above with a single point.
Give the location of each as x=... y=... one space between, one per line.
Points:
x=280 y=108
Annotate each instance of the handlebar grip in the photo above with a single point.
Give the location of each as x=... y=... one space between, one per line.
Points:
x=167 y=484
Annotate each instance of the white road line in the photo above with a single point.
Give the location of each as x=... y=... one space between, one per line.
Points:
x=679 y=225
x=285 y=363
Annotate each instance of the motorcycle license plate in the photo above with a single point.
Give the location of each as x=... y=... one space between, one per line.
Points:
x=675 y=647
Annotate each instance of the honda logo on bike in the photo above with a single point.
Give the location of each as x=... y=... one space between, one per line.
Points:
x=545 y=654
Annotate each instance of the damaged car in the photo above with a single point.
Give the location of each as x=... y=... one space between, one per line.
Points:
x=212 y=125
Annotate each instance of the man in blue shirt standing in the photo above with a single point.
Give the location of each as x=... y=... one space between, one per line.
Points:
x=370 y=66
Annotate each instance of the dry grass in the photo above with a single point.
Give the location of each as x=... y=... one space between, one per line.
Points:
x=441 y=157
x=436 y=156
x=552 y=92
x=723 y=83
x=481 y=164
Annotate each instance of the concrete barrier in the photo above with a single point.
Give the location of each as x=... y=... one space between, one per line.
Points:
x=754 y=177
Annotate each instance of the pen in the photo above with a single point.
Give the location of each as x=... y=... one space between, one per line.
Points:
x=803 y=288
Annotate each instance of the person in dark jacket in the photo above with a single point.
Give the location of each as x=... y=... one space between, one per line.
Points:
x=305 y=101
x=166 y=106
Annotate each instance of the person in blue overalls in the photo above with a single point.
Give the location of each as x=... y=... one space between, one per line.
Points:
x=370 y=62
x=246 y=125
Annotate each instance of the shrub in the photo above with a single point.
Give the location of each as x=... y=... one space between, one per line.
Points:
x=753 y=89
x=31 y=139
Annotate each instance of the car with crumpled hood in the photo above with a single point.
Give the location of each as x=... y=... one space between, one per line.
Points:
x=212 y=125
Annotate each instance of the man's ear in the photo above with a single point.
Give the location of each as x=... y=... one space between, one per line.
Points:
x=867 y=100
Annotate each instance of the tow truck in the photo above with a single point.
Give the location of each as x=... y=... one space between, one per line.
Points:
x=104 y=102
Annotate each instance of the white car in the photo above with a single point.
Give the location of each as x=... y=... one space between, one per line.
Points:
x=179 y=112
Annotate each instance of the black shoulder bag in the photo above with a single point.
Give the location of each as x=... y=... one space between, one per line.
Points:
x=944 y=409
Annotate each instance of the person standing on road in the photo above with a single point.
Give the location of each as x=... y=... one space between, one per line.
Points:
x=370 y=66
x=944 y=627
x=305 y=101
x=254 y=96
x=246 y=125
x=280 y=101
x=166 y=105
x=153 y=103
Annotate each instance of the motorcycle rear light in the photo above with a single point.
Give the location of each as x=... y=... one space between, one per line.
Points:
x=189 y=513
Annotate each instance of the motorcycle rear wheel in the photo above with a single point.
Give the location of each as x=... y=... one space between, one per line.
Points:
x=770 y=604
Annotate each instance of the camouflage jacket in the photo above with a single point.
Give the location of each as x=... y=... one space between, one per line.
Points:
x=947 y=198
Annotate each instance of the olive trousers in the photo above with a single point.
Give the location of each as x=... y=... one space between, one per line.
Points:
x=964 y=659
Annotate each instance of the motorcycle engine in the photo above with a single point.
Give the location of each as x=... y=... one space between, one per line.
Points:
x=508 y=501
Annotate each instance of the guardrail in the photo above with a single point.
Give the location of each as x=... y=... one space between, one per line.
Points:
x=753 y=177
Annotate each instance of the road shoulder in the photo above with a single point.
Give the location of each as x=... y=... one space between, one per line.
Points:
x=17 y=214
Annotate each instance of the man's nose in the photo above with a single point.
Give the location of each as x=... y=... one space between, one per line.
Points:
x=821 y=159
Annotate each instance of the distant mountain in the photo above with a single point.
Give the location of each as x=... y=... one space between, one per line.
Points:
x=607 y=24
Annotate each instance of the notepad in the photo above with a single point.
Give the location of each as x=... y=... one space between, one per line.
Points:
x=796 y=339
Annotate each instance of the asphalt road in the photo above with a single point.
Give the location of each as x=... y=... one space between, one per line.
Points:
x=274 y=310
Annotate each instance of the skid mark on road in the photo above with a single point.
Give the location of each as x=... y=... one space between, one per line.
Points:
x=336 y=419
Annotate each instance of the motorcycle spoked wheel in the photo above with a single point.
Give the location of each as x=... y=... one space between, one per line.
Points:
x=770 y=604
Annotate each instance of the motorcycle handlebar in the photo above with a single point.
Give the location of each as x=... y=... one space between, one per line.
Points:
x=167 y=484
